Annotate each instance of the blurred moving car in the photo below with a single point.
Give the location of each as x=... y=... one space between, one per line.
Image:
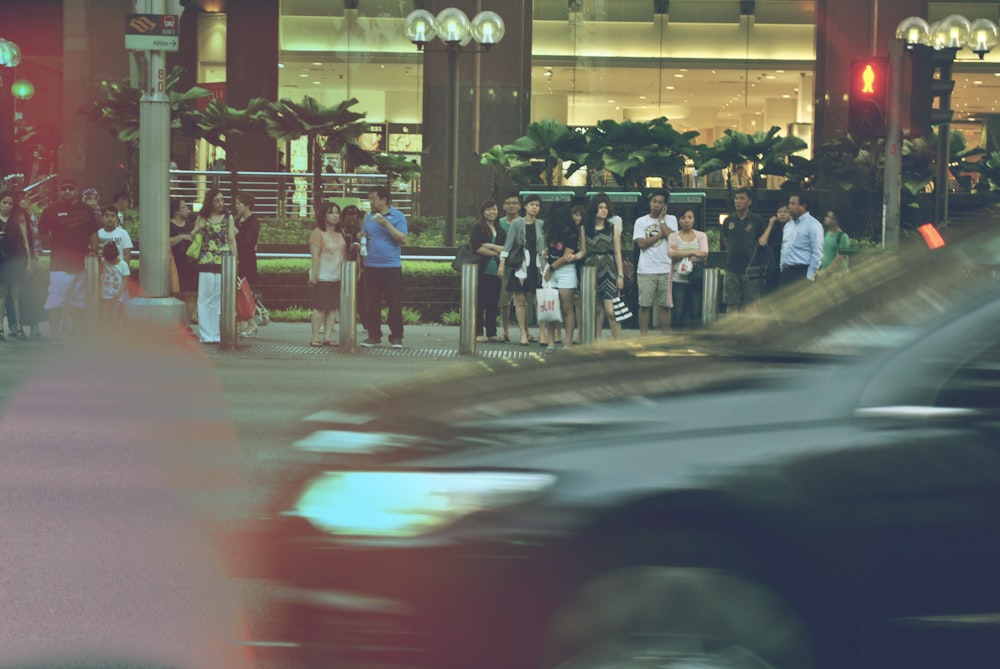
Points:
x=816 y=484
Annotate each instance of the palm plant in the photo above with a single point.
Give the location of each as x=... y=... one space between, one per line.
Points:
x=222 y=126
x=118 y=112
x=396 y=167
x=546 y=145
x=737 y=148
x=501 y=162
x=988 y=168
x=633 y=151
x=338 y=125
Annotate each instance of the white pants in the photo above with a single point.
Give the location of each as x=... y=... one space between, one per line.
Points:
x=209 y=307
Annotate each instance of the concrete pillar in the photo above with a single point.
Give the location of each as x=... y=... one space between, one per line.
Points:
x=252 y=71
x=93 y=51
x=494 y=102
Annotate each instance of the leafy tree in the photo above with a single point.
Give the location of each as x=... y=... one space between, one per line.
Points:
x=633 y=151
x=222 y=126
x=396 y=166
x=501 y=162
x=118 y=112
x=737 y=148
x=338 y=125
x=545 y=147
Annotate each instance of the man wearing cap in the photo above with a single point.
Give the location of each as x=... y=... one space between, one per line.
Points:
x=71 y=229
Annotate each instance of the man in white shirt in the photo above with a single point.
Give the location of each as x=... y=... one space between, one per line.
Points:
x=653 y=272
x=801 y=242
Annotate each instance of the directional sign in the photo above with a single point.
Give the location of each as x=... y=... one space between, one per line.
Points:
x=152 y=32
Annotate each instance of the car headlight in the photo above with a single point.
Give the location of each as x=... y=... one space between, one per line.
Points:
x=406 y=504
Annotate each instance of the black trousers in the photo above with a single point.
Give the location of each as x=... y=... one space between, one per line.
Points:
x=793 y=273
x=487 y=304
x=384 y=285
x=687 y=305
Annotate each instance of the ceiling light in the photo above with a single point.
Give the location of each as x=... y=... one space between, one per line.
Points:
x=317 y=64
x=281 y=65
x=679 y=76
x=669 y=88
x=303 y=75
x=316 y=82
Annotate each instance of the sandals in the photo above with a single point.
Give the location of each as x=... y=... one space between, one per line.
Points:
x=316 y=344
x=330 y=342
x=495 y=340
x=481 y=339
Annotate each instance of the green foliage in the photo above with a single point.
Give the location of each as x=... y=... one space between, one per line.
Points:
x=714 y=234
x=451 y=317
x=429 y=230
x=633 y=150
x=989 y=168
x=222 y=126
x=291 y=315
x=547 y=144
x=338 y=126
x=410 y=316
x=396 y=166
x=117 y=111
x=411 y=268
x=736 y=148
x=501 y=162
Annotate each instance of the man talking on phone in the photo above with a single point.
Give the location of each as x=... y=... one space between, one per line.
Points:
x=385 y=230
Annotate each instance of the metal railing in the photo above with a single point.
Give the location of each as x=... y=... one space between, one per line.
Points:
x=288 y=193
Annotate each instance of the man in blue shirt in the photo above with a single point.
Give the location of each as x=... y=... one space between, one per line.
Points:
x=801 y=242
x=385 y=230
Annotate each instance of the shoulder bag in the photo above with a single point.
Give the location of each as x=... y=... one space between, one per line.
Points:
x=465 y=256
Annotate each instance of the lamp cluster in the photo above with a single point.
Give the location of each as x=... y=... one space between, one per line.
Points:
x=453 y=27
x=10 y=54
x=952 y=32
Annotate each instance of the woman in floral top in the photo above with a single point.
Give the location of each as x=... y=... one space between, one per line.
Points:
x=218 y=232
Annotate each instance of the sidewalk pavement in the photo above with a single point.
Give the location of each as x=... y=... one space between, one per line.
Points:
x=432 y=339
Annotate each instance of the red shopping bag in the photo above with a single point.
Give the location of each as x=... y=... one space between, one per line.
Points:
x=246 y=304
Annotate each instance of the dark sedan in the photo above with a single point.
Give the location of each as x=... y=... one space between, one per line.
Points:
x=815 y=484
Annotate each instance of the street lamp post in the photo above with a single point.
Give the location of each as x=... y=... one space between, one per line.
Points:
x=455 y=29
x=946 y=37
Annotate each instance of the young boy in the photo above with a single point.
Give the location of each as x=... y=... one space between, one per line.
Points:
x=114 y=275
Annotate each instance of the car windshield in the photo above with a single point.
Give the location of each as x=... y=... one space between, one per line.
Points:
x=885 y=301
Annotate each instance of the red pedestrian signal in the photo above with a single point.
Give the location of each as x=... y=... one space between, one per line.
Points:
x=867 y=99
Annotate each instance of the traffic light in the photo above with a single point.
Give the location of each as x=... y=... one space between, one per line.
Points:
x=924 y=87
x=867 y=98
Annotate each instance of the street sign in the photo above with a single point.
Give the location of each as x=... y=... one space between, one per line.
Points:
x=152 y=32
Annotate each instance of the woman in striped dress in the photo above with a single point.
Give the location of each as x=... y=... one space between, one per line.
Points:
x=604 y=252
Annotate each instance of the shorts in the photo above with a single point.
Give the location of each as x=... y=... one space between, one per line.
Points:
x=506 y=297
x=564 y=278
x=326 y=296
x=65 y=290
x=654 y=288
x=738 y=290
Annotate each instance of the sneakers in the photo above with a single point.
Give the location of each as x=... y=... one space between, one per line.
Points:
x=371 y=343
x=395 y=343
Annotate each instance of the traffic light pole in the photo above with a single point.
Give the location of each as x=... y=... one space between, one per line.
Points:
x=892 y=181
x=944 y=146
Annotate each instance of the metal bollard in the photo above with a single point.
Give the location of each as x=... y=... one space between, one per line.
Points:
x=349 y=307
x=92 y=291
x=467 y=328
x=227 y=303
x=710 y=296
x=588 y=305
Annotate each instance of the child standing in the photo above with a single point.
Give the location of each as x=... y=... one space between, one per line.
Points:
x=114 y=275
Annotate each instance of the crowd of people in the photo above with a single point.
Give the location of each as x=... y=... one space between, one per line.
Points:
x=518 y=253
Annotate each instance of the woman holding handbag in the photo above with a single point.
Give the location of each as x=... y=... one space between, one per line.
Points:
x=218 y=233
x=487 y=239
x=604 y=252
x=688 y=250
x=519 y=261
